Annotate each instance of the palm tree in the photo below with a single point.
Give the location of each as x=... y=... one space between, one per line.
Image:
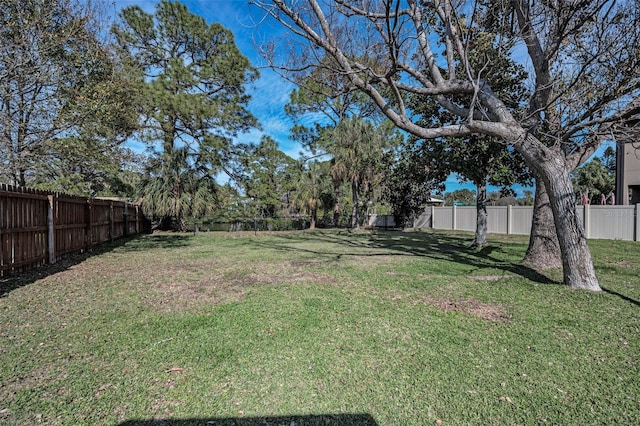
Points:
x=357 y=146
x=313 y=187
x=175 y=188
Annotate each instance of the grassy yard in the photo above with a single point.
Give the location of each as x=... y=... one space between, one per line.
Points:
x=320 y=328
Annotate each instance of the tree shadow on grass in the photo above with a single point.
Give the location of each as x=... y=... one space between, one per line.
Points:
x=17 y=280
x=452 y=248
x=302 y=420
x=621 y=296
x=456 y=249
x=163 y=240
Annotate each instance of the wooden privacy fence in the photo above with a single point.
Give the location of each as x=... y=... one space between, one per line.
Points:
x=39 y=227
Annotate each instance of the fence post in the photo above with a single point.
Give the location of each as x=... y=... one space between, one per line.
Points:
x=111 y=221
x=125 y=213
x=637 y=212
x=89 y=229
x=454 y=215
x=587 y=220
x=433 y=213
x=51 y=230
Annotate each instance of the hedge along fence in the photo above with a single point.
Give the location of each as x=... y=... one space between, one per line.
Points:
x=39 y=227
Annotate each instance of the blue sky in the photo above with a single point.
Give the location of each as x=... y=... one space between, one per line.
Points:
x=270 y=93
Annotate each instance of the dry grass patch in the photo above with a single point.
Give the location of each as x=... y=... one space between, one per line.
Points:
x=490 y=277
x=483 y=310
x=220 y=287
x=189 y=281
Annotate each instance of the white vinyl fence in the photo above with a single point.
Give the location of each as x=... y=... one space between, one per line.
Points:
x=601 y=222
x=382 y=221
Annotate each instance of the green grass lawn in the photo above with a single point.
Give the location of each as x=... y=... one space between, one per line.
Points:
x=320 y=328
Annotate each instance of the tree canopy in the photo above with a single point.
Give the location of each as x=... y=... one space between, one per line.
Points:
x=268 y=177
x=64 y=95
x=194 y=74
x=464 y=197
x=410 y=181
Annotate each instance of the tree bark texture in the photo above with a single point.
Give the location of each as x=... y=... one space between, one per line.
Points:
x=481 y=216
x=577 y=265
x=544 y=250
x=314 y=214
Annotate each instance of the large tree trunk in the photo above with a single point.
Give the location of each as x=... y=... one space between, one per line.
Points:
x=543 y=251
x=551 y=167
x=577 y=264
x=481 y=216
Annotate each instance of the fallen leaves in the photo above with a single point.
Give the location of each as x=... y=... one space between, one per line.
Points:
x=100 y=392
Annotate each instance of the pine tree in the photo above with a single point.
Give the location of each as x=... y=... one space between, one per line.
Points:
x=193 y=99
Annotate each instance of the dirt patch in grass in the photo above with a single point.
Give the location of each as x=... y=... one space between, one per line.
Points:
x=266 y=279
x=214 y=289
x=305 y=264
x=181 y=296
x=483 y=310
x=489 y=277
x=373 y=259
